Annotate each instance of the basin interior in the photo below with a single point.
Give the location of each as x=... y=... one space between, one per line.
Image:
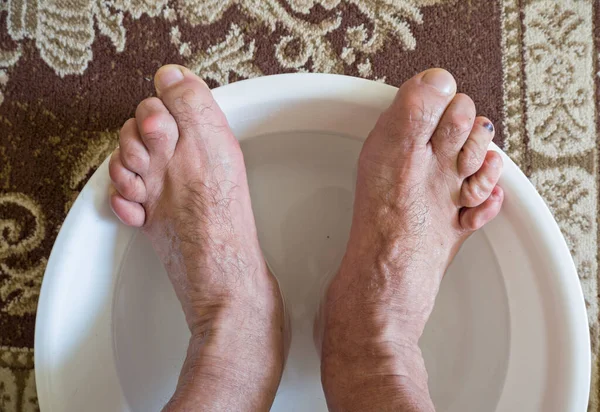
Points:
x=302 y=186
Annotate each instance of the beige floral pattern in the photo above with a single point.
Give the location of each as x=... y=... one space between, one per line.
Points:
x=21 y=289
x=552 y=134
x=558 y=49
x=12 y=240
x=64 y=31
x=8 y=390
x=389 y=18
x=571 y=195
x=17 y=381
x=232 y=56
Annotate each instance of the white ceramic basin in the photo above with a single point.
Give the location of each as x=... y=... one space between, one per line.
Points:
x=508 y=333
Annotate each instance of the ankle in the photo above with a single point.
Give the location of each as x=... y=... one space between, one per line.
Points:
x=238 y=356
x=373 y=356
x=258 y=319
x=384 y=376
x=370 y=346
x=371 y=319
x=378 y=393
x=211 y=381
x=251 y=304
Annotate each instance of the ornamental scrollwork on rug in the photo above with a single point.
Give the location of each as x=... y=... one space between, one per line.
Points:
x=64 y=31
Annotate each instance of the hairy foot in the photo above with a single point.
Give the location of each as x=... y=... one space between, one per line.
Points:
x=179 y=174
x=426 y=181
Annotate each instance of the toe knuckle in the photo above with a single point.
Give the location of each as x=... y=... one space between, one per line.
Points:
x=136 y=189
x=457 y=126
x=462 y=123
x=187 y=119
x=420 y=118
x=193 y=100
x=474 y=222
x=408 y=121
x=126 y=191
x=132 y=159
x=128 y=186
x=470 y=159
x=473 y=161
x=155 y=136
x=486 y=184
x=472 y=192
x=392 y=128
x=203 y=113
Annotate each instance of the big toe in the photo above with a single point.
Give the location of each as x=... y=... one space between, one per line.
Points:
x=417 y=109
x=190 y=101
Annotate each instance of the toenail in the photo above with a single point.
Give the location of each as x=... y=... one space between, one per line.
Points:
x=441 y=80
x=489 y=126
x=168 y=76
x=495 y=162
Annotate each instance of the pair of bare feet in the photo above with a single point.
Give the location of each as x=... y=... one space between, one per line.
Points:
x=426 y=181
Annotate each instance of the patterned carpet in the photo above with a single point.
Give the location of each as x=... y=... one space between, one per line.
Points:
x=72 y=71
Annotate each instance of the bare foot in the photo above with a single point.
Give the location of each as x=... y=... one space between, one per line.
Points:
x=179 y=174
x=426 y=181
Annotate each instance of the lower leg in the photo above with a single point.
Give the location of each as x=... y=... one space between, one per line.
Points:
x=234 y=359
x=371 y=360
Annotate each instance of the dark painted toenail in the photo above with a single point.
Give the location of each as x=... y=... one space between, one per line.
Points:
x=489 y=126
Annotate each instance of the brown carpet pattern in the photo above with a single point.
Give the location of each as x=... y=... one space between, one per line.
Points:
x=72 y=71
